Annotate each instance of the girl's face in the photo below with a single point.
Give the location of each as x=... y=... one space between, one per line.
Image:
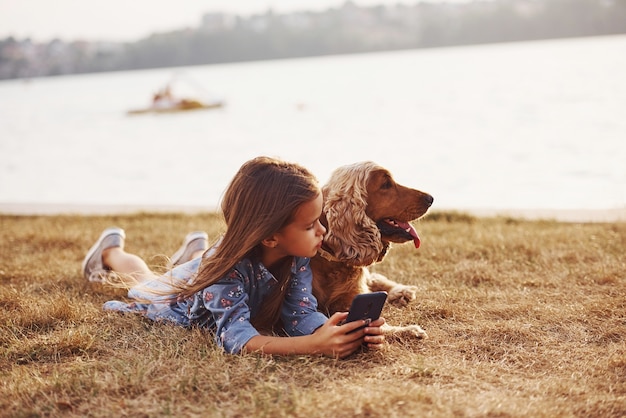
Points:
x=304 y=235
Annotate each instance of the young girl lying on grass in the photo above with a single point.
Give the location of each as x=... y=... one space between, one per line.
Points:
x=256 y=282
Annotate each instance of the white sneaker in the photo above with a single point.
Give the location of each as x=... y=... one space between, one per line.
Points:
x=93 y=269
x=194 y=241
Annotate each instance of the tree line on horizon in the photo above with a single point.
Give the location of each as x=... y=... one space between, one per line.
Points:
x=343 y=30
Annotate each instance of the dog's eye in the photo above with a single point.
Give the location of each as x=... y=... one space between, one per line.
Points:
x=386 y=185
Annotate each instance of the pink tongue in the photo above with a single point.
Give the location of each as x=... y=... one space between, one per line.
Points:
x=409 y=228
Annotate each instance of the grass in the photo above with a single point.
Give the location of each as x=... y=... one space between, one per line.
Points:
x=525 y=318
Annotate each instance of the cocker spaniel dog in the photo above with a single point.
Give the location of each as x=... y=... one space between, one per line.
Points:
x=365 y=210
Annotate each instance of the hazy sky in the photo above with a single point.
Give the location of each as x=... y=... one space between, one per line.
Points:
x=117 y=20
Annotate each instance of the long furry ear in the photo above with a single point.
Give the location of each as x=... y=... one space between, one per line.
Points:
x=352 y=236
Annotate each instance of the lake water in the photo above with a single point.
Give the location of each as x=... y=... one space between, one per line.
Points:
x=522 y=125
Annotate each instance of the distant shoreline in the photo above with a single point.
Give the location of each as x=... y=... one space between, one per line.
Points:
x=563 y=215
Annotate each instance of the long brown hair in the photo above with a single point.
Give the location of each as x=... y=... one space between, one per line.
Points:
x=261 y=199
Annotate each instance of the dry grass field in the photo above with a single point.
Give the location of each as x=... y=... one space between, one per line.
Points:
x=525 y=318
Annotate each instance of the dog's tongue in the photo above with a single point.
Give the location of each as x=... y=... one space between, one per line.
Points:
x=409 y=228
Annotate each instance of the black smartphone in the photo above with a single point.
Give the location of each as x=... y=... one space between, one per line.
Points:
x=366 y=305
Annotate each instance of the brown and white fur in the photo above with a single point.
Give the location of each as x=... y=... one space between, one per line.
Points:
x=365 y=210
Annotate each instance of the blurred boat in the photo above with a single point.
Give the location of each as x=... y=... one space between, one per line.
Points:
x=163 y=101
x=183 y=105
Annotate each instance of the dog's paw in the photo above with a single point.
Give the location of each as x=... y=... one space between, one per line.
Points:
x=415 y=331
x=406 y=331
x=401 y=295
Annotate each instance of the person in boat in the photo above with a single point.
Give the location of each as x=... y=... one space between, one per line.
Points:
x=163 y=99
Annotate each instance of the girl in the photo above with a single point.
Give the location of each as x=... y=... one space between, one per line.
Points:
x=256 y=281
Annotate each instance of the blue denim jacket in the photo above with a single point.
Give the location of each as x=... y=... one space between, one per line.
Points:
x=227 y=306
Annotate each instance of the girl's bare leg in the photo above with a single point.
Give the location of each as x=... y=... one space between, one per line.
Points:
x=107 y=255
x=121 y=262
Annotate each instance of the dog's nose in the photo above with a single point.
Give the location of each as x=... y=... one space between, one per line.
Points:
x=428 y=199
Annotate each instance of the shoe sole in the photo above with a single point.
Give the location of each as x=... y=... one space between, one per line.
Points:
x=94 y=248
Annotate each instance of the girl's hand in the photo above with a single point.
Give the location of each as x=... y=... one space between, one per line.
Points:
x=334 y=340
x=374 y=336
x=331 y=339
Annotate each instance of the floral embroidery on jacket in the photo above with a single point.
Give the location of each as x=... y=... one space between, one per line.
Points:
x=227 y=306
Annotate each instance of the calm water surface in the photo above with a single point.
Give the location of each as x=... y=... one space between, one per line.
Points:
x=523 y=125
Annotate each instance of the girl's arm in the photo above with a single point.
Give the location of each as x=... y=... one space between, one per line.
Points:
x=331 y=339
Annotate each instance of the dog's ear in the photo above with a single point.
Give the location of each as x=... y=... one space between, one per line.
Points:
x=352 y=236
